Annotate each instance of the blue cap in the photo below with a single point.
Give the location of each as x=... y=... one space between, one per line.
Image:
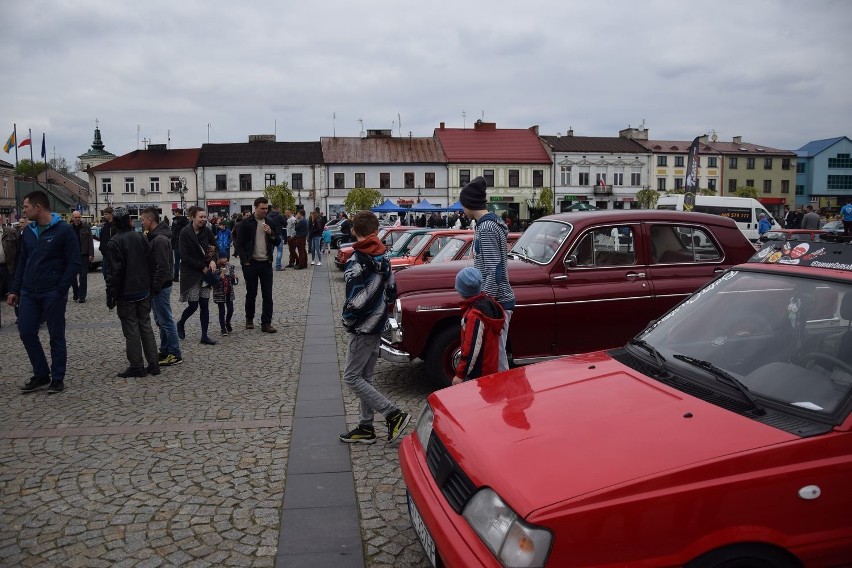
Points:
x=469 y=282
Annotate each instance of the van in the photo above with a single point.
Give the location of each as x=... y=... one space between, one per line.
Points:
x=743 y=210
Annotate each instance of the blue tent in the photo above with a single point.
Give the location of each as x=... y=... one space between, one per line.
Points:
x=457 y=206
x=425 y=207
x=388 y=207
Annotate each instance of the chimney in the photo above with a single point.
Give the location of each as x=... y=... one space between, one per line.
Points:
x=534 y=129
x=480 y=125
x=442 y=126
x=634 y=133
x=738 y=139
x=570 y=132
x=157 y=147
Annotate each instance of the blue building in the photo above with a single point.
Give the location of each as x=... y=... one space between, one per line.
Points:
x=824 y=173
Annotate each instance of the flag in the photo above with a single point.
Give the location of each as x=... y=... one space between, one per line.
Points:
x=43 y=149
x=690 y=183
x=602 y=183
x=10 y=143
x=25 y=142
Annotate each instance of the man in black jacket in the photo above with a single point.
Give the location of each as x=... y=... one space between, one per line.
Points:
x=180 y=221
x=160 y=239
x=128 y=287
x=107 y=231
x=87 y=255
x=254 y=242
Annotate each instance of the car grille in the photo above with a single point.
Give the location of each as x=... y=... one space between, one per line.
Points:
x=449 y=477
x=387 y=333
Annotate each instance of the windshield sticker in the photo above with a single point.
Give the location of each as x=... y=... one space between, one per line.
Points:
x=805 y=254
x=694 y=298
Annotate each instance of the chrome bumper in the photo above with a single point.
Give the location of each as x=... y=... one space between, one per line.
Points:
x=392 y=354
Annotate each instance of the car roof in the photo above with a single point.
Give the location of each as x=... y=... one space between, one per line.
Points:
x=638 y=215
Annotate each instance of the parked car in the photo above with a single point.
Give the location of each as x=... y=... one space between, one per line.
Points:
x=99 y=257
x=835 y=227
x=407 y=241
x=425 y=249
x=388 y=235
x=720 y=436
x=608 y=273
x=459 y=247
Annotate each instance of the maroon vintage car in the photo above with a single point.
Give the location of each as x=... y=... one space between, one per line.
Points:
x=583 y=282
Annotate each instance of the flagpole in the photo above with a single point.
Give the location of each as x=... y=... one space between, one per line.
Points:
x=32 y=159
x=15 y=132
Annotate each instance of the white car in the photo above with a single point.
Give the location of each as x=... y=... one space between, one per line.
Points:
x=99 y=257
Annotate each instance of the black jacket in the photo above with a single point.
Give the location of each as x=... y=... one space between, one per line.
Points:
x=177 y=225
x=129 y=274
x=245 y=235
x=84 y=233
x=277 y=221
x=193 y=256
x=107 y=232
x=162 y=258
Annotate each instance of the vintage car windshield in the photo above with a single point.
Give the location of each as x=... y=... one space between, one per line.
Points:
x=405 y=244
x=787 y=338
x=418 y=248
x=542 y=240
x=449 y=251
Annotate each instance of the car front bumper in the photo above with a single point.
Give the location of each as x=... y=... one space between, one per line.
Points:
x=392 y=354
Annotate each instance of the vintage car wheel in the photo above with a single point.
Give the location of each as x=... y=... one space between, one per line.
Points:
x=746 y=556
x=442 y=355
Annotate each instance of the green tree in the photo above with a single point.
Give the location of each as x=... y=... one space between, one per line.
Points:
x=362 y=199
x=280 y=195
x=746 y=191
x=544 y=202
x=28 y=168
x=647 y=198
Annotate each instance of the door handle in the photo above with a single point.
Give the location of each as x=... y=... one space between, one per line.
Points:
x=718 y=270
x=634 y=275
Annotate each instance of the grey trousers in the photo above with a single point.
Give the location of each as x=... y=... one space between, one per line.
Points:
x=503 y=361
x=358 y=376
x=138 y=334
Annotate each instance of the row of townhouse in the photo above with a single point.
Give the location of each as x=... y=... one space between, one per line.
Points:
x=516 y=163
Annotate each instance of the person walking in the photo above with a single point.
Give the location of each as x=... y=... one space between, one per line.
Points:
x=490 y=252
x=128 y=289
x=87 y=255
x=370 y=289
x=107 y=231
x=811 y=218
x=178 y=224
x=223 y=293
x=285 y=233
x=48 y=258
x=301 y=235
x=254 y=244
x=291 y=239
x=160 y=239
x=196 y=242
x=846 y=215
x=9 y=237
x=315 y=228
x=279 y=224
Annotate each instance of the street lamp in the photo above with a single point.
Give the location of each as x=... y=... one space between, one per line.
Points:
x=182 y=190
x=418 y=194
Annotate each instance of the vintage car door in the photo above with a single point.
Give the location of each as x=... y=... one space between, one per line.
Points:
x=602 y=291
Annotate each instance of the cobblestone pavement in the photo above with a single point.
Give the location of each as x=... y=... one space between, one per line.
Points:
x=187 y=468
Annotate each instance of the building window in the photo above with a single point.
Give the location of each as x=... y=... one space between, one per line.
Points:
x=636 y=179
x=712 y=162
x=732 y=185
x=584 y=178
x=221 y=182
x=538 y=178
x=678 y=183
x=129 y=185
x=464 y=177
x=767 y=163
x=360 y=179
x=600 y=177
x=617 y=179
x=749 y=163
x=661 y=184
x=678 y=161
x=800 y=190
x=767 y=186
x=785 y=163
x=565 y=175
x=408 y=180
x=268 y=179
x=245 y=182
x=429 y=180
x=839 y=182
x=154 y=184
x=732 y=163
x=800 y=167
x=384 y=180
x=489 y=177
x=785 y=186
x=749 y=183
x=296 y=181
x=339 y=180
x=711 y=184
x=841 y=161
x=174 y=183
x=106 y=185
x=514 y=178
x=662 y=160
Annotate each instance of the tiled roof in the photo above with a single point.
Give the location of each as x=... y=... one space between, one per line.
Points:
x=748 y=148
x=674 y=146
x=152 y=160
x=382 y=150
x=814 y=147
x=260 y=154
x=4 y=164
x=611 y=144
x=492 y=146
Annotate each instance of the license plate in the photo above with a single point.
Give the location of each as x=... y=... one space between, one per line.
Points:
x=422 y=531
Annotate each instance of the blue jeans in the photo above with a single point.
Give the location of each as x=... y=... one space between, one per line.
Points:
x=279 y=254
x=315 y=248
x=51 y=306
x=161 y=306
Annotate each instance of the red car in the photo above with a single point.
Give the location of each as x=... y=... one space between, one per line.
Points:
x=582 y=282
x=459 y=247
x=720 y=436
x=425 y=249
x=387 y=235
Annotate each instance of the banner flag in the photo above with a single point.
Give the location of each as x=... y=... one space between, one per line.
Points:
x=690 y=183
x=25 y=142
x=10 y=143
x=43 y=149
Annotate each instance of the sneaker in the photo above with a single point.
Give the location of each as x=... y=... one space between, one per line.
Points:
x=228 y=326
x=82 y=300
x=359 y=435
x=249 y=324
x=154 y=369
x=131 y=372
x=207 y=341
x=224 y=332
x=267 y=328
x=170 y=360
x=181 y=329
x=35 y=383
x=56 y=387
x=396 y=424
x=319 y=263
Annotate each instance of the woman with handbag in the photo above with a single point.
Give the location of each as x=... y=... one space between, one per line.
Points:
x=197 y=248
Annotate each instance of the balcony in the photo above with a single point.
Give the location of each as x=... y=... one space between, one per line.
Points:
x=600 y=190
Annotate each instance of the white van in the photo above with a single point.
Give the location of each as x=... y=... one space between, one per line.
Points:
x=743 y=210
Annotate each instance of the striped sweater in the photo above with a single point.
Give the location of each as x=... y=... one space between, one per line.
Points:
x=491 y=258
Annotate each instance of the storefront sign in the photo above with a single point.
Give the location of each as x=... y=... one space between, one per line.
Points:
x=218 y=202
x=501 y=199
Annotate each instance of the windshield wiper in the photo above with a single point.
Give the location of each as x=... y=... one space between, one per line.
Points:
x=658 y=357
x=725 y=377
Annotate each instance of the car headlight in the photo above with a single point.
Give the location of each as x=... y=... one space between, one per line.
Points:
x=513 y=542
x=397 y=311
x=423 y=429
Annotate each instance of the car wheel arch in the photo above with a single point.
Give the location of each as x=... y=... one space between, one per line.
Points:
x=746 y=555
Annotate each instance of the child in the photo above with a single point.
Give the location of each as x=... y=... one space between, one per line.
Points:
x=326 y=240
x=482 y=322
x=223 y=293
x=370 y=288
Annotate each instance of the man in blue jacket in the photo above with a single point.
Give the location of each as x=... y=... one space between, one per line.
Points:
x=48 y=258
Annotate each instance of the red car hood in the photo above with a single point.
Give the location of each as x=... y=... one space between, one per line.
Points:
x=442 y=276
x=545 y=433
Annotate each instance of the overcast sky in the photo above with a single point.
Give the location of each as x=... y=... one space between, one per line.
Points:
x=776 y=72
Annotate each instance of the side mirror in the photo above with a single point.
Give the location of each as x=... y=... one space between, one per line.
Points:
x=570 y=261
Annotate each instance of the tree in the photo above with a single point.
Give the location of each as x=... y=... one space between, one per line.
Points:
x=280 y=195
x=362 y=199
x=28 y=168
x=544 y=202
x=647 y=198
x=746 y=191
